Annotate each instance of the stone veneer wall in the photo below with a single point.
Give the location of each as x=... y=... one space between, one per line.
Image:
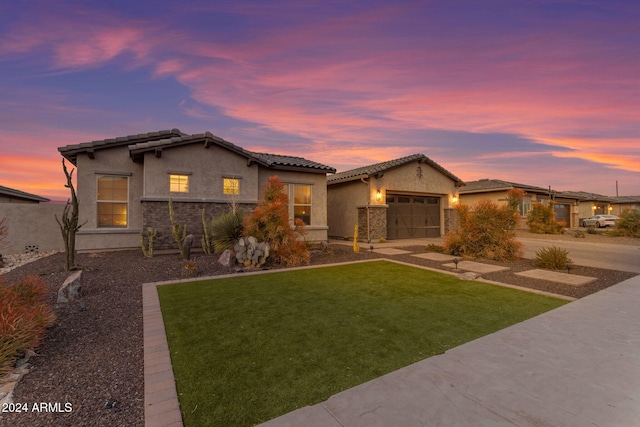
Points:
x=377 y=222
x=156 y=215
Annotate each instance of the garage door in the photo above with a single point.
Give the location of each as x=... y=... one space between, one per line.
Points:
x=412 y=216
x=563 y=213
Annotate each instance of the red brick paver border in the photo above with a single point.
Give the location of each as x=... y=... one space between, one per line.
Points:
x=161 y=407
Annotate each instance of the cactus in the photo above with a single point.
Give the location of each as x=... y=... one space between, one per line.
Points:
x=179 y=231
x=147 y=249
x=356 y=248
x=207 y=238
x=250 y=253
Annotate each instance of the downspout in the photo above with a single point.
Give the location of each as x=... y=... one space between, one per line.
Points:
x=368 y=214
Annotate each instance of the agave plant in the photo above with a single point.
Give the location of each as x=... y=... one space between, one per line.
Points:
x=226 y=229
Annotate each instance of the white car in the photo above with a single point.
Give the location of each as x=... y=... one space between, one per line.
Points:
x=600 y=221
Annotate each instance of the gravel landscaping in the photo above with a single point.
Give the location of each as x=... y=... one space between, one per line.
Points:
x=92 y=357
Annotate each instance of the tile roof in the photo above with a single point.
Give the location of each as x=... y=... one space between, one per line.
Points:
x=483 y=185
x=17 y=194
x=157 y=141
x=70 y=152
x=583 y=195
x=366 y=171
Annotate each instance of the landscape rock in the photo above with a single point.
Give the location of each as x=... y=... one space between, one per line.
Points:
x=468 y=276
x=186 y=246
x=225 y=258
x=71 y=288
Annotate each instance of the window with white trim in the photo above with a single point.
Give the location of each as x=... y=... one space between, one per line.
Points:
x=113 y=201
x=299 y=202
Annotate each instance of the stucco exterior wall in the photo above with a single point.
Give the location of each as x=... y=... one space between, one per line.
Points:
x=206 y=169
x=31 y=226
x=342 y=202
x=317 y=230
x=113 y=161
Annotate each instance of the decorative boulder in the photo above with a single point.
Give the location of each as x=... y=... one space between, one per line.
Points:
x=225 y=258
x=468 y=276
x=70 y=289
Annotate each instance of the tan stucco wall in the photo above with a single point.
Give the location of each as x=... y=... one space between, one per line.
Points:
x=31 y=224
x=317 y=230
x=344 y=198
x=342 y=206
x=206 y=168
x=110 y=161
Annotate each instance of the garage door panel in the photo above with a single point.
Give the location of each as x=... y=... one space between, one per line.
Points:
x=413 y=216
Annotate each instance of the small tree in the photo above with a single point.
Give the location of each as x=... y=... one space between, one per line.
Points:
x=486 y=231
x=69 y=221
x=541 y=219
x=270 y=223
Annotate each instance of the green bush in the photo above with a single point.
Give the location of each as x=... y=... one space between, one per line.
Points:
x=541 y=219
x=629 y=223
x=553 y=258
x=24 y=317
x=486 y=231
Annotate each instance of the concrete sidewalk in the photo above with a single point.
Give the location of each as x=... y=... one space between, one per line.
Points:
x=574 y=366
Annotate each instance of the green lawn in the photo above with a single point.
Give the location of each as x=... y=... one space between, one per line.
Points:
x=250 y=348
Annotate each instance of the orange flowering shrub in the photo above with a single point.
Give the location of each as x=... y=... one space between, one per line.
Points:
x=484 y=231
x=24 y=318
x=270 y=223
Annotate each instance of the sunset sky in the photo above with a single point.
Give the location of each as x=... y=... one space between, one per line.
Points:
x=544 y=92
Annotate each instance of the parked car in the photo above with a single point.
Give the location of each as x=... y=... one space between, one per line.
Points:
x=600 y=221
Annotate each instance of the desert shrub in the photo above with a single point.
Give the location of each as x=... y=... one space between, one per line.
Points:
x=629 y=223
x=270 y=223
x=486 y=231
x=552 y=257
x=541 y=219
x=579 y=234
x=592 y=230
x=24 y=317
x=222 y=232
x=431 y=247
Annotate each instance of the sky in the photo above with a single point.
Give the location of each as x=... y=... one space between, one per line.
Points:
x=543 y=92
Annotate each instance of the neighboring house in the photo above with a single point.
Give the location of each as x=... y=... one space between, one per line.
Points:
x=566 y=205
x=590 y=204
x=125 y=183
x=621 y=203
x=404 y=198
x=30 y=222
x=9 y=195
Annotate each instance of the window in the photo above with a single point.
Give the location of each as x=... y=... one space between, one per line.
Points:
x=179 y=183
x=231 y=186
x=300 y=202
x=113 y=201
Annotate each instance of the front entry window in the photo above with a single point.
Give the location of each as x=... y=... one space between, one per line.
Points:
x=113 y=201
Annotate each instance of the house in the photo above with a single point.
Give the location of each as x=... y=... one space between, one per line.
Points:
x=621 y=203
x=125 y=184
x=409 y=197
x=590 y=204
x=566 y=205
x=9 y=195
